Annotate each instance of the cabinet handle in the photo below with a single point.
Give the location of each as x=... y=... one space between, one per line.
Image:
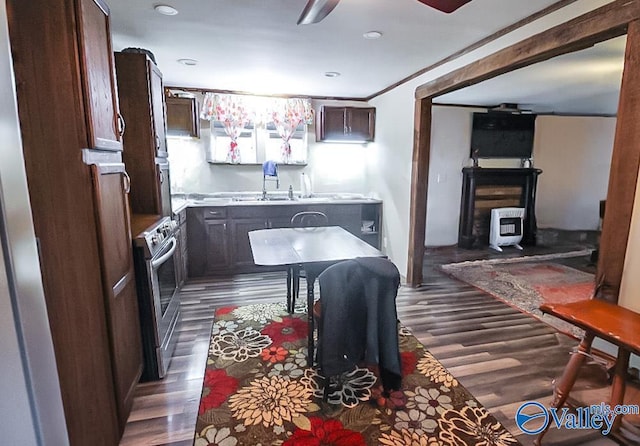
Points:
x=157 y=143
x=127 y=182
x=121 y=125
x=161 y=176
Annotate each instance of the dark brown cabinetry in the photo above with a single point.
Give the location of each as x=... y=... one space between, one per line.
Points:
x=68 y=111
x=181 y=250
x=145 y=145
x=207 y=241
x=242 y=220
x=486 y=188
x=182 y=116
x=350 y=124
x=114 y=236
x=218 y=237
x=105 y=125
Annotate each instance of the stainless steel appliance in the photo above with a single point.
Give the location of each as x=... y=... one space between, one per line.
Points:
x=159 y=301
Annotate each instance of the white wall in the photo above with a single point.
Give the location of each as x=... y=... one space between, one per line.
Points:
x=450 y=143
x=574 y=154
x=630 y=284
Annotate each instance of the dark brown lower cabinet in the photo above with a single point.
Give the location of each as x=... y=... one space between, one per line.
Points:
x=242 y=256
x=121 y=302
x=207 y=241
x=218 y=237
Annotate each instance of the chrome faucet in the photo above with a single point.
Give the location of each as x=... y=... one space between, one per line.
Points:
x=269 y=169
x=264 y=185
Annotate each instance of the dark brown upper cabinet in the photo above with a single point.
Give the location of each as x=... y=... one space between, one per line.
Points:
x=145 y=144
x=104 y=124
x=182 y=116
x=346 y=124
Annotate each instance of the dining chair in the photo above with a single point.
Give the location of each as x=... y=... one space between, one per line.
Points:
x=302 y=219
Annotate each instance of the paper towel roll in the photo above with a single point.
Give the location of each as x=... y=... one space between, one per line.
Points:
x=305 y=185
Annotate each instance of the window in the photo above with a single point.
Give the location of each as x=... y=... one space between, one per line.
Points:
x=298 y=142
x=253 y=129
x=220 y=143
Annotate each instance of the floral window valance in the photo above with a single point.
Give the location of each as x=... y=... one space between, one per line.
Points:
x=236 y=111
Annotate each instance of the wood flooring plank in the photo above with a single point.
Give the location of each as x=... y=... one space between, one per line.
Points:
x=502 y=356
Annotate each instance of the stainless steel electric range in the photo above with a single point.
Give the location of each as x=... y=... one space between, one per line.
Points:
x=158 y=297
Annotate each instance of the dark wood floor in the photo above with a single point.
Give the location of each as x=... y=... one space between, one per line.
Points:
x=500 y=355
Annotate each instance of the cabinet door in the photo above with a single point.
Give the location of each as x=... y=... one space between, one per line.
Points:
x=114 y=234
x=347 y=124
x=207 y=241
x=104 y=125
x=157 y=104
x=183 y=245
x=178 y=258
x=164 y=182
x=217 y=249
x=361 y=123
x=182 y=117
x=242 y=255
x=332 y=123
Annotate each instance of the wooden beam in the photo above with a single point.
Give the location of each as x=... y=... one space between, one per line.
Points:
x=582 y=32
x=419 y=184
x=623 y=176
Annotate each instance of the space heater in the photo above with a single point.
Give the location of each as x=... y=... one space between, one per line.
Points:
x=506 y=227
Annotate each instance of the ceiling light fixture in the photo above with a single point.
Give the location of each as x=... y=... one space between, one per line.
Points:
x=372 y=35
x=165 y=9
x=188 y=62
x=332 y=74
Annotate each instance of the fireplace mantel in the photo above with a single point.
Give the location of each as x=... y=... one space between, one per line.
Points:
x=486 y=188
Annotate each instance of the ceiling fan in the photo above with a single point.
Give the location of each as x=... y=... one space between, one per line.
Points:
x=316 y=10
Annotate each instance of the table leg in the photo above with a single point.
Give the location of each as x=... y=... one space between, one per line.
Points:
x=310 y=321
x=289 y=301
x=568 y=379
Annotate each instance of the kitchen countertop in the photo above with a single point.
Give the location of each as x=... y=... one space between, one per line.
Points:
x=182 y=201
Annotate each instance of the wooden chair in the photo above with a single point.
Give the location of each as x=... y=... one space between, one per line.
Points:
x=602 y=319
x=304 y=219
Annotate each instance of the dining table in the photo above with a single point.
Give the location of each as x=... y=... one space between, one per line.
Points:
x=313 y=248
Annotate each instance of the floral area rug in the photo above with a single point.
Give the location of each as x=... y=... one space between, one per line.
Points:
x=526 y=285
x=259 y=391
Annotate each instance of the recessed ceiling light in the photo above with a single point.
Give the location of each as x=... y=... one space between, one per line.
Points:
x=189 y=62
x=165 y=9
x=332 y=74
x=372 y=35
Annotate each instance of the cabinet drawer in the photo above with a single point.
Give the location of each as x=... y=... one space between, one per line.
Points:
x=214 y=213
x=266 y=211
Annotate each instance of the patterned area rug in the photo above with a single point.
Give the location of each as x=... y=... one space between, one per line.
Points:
x=258 y=390
x=527 y=283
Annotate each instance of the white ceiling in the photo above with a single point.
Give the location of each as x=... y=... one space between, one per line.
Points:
x=255 y=46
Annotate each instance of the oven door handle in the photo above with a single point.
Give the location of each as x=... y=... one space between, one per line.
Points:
x=159 y=261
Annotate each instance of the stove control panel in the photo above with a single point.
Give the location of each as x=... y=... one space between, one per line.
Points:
x=154 y=237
